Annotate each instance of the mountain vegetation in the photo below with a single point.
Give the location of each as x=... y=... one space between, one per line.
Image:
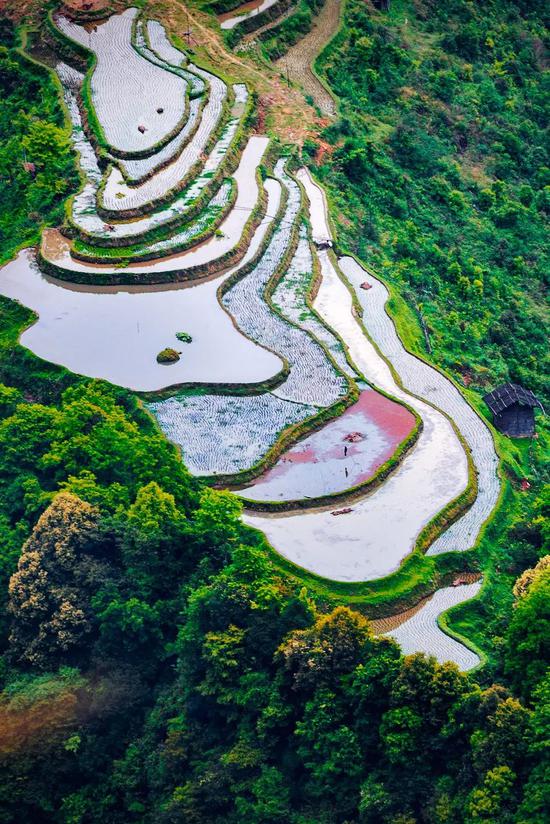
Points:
x=438 y=167
x=156 y=664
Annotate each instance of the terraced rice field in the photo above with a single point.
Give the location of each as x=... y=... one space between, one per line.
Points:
x=421 y=632
x=193 y=232
x=75 y=327
x=299 y=59
x=223 y=435
x=137 y=171
x=290 y=297
x=118 y=196
x=244 y=12
x=312 y=379
x=344 y=453
x=426 y=382
x=58 y=251
x=253 y=35
x=272 y=353
x=127 y=103
x=428 y=478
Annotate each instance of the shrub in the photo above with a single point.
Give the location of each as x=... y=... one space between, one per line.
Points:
x=168 y=356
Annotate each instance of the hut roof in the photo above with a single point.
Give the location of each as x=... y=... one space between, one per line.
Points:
x=507 y=395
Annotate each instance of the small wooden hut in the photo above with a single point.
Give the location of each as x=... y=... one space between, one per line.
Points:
x=513 y=409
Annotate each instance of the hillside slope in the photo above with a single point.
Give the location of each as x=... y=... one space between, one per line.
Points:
x=438 y=172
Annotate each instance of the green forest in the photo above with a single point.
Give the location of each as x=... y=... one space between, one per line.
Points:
x=440 y=157
x=158 y=665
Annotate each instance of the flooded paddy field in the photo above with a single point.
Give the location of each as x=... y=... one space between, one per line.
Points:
x=268 y=346
x=226 y=434
x=116 y=333
x=127 y=103
x=382 y=528
x=422 y=633
x=344 y=453
x=57 y=249
x=232 y=18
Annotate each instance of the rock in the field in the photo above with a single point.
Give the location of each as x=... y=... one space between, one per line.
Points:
x=168 y=356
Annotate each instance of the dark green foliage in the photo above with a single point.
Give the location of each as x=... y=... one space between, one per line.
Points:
x=528 y=636
x=439 y=173
x=36 y=167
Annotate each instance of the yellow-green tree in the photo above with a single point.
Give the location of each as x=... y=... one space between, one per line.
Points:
x=48 y=595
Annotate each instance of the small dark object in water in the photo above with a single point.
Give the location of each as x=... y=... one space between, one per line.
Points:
x=354 y=437
x=142 y=129
x=342 y=511
x=160 y=110
x=366 y=285
x=324 y=243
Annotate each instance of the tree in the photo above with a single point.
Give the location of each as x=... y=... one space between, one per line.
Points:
x=491 y=803
x=216 y=523
x=154 y=541
x=536 y=798
x=502 y=737
x=9 y=398
x=269 y=802
x=527 y=649
x=47 y=147
x=49 y=593
x=529 y=577
x=321 y=654
x=329 y=749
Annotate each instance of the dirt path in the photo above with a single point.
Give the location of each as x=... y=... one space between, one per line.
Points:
x=299 y=58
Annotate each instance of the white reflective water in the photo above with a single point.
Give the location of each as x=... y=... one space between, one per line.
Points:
x=58 y=251
x=373 y=539
x=116 y=333
x=129 y=100
x=421 y=632
x=232 y=18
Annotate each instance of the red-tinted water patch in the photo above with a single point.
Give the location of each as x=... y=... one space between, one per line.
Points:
x=326 y=462
x=393 y=418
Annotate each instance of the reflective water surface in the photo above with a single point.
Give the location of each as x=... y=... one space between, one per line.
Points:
x=115 y=333
x=343 y=453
